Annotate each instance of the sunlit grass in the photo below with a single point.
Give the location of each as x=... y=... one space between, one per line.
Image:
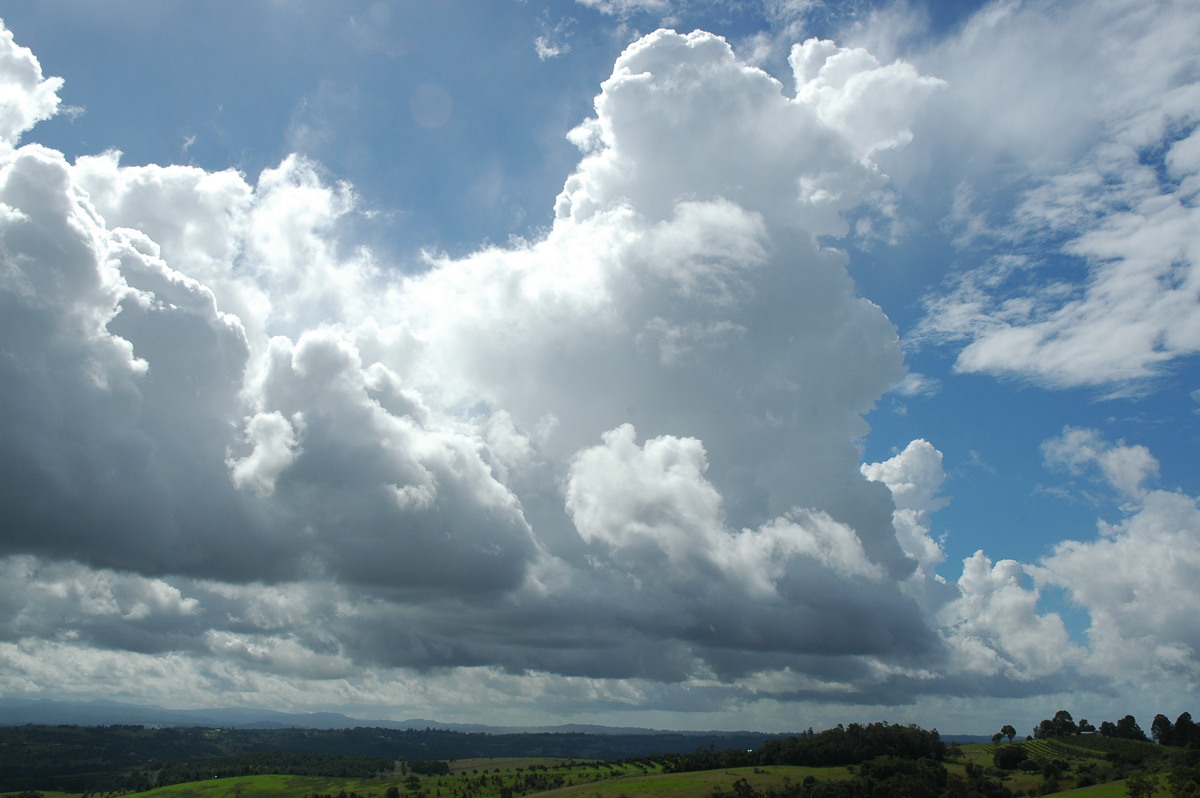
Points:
x=517 y=777
x=699 y=783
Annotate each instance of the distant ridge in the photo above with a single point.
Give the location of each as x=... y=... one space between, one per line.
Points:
x=18 y=712
x=100 y=712
x=967 y=739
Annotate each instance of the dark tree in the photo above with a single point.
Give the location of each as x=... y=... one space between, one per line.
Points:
x=1139 y=787
x=1061 y=725
x=1186 y=731
x=1184 y=778
x=1009 y=757
x=1128 y=729
x=1162 y=731
x=1064 y=724
x=902 y=778
x=1008 y=731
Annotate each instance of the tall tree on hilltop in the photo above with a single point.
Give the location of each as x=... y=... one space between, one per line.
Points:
x=1128 y=728
x=1162 y=731
x=1061 y=725
x=1186 y=731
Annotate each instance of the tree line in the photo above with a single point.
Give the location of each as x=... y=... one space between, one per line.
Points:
x=841 y=745
x=1123 y=752
x=883 y=777
x=80 y=759
x=1184 y=732
x=274 y=763
x=890 y=760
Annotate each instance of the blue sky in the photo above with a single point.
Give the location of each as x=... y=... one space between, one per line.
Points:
x=644 y=362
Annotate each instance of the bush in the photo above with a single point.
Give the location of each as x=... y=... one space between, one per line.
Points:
x=1009 y=757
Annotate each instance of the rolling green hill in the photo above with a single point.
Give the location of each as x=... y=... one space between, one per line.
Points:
x=851 y=762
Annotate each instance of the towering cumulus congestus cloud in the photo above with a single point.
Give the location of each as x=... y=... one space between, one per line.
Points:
x=623 y=449
x=682 y=298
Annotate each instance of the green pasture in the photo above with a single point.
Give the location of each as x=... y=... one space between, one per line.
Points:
x=562 y=778
x=697 y=784
x=1082 y=755
x=678 y=785
x=489 y=778
x=273 y=786
x=1113 y=789
x=469 y=778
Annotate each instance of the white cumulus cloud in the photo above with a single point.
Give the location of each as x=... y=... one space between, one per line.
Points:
x=1093 y=105
x=614 y=462
x=211 y=388
x=1138 y=578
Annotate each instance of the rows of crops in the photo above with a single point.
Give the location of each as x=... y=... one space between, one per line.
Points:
x=1100 y=746
x=1083 y=747
x=1047 y=750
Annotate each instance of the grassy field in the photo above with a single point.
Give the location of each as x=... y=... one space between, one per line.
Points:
x=629 y=785
x=561 y=778
x=1113 y=789
x=469 y=778
x=696 y=784
x=501 y=778
x=1085 y=755
x=609 y=783
x=980 y=755
x=277 y=786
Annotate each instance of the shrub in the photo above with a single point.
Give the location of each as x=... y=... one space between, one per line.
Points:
x=1009 y=757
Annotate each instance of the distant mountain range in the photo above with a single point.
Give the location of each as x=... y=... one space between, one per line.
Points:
x=18 y=712
x=22 y=711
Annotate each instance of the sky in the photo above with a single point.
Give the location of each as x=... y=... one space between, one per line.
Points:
x=663 y=363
